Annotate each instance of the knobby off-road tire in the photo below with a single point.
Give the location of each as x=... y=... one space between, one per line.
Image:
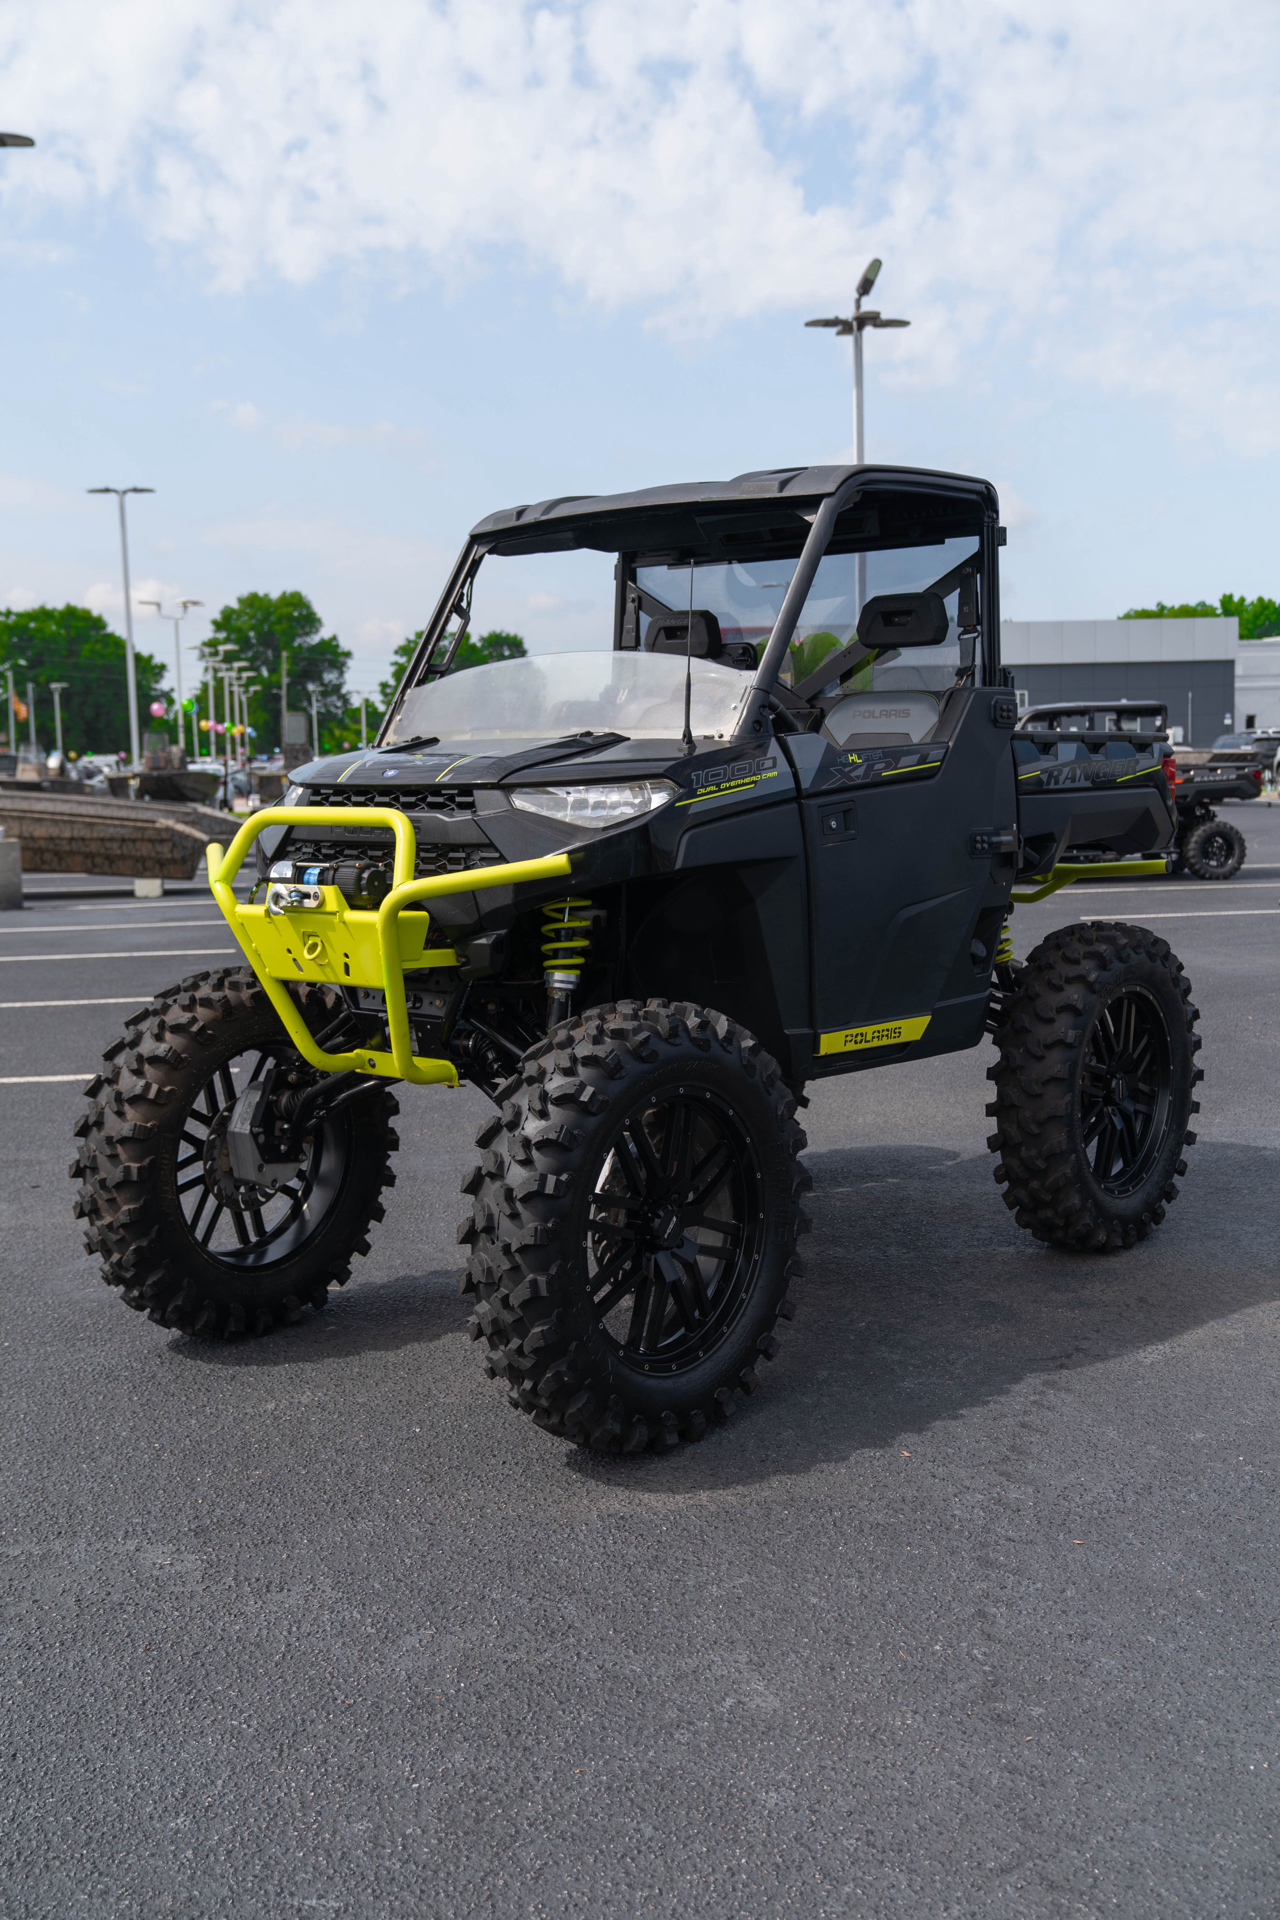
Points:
x=1214 y=850
x=1094 y=1086
x=185 y=1243
x=634 y=1223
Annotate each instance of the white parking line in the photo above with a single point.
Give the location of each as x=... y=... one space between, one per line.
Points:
x=41 y=1079
x=126 y=1000
x=117 y=926
x=1134 y=886
x=139 y=953
x=1209 y=913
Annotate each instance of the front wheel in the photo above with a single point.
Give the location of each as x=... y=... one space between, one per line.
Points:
x=1094 y=1086
x=194 y=1236
x=633 y=1226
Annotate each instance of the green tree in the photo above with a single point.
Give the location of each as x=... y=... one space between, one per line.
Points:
x=1259 y=618
x=260 y=628
x=479 y=652
x=72 y=644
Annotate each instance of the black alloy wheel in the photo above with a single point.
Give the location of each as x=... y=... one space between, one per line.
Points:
x=245 y=1224
x=674 y=1238
x=1094 y=1085
x=1214 y=850
x=1126 y=1089
x=187 y=1242
x=633 y=1224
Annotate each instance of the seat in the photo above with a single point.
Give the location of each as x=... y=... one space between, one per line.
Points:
x=883 y=719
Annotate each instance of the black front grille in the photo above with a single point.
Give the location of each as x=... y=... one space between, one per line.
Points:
x=430 y=861
x=411 y=800
x=434 y=860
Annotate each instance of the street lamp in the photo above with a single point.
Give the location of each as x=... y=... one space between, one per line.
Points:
x=246 y=695
x=184 y=608
x=229 y=669
x=16 y=140
x=135 y=738
x=364 y=699
x=57 y=688
x=213 y=660
x=11 y=725
x=854 y=324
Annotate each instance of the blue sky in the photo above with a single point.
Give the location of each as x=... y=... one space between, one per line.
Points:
x=336 y=290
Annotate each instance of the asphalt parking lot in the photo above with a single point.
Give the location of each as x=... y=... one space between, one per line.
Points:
x=972 y=1611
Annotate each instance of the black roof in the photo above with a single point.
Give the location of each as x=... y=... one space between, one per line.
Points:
x=658 y=516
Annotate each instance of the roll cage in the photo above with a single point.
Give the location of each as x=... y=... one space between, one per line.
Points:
x=793 y=513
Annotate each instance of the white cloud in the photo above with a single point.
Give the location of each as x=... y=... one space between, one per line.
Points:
x=1099 y=181
x=302 y=433
x=242 y=414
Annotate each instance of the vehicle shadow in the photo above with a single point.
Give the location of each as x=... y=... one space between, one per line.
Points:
x=922 y=1299
x=366 y=1316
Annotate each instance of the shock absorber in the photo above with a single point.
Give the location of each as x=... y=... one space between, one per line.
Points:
x=1004 y=945
x=566 y=942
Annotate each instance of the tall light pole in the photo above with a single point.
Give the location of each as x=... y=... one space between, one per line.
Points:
x=135 y=738
x=213 y=659
x=228 y=670
x=12 y=723
x=184 y=608
x=57 y=688
x=855 y=324
x=247 y=695
x=31 y=712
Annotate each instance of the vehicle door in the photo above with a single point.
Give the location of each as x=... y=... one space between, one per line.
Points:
x=912 y=852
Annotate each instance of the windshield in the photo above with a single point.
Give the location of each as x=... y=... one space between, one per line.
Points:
x=639 y=695
x=746 y=596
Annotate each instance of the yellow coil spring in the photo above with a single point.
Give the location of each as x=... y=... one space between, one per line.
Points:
x=566 y=937
x=1004 y=947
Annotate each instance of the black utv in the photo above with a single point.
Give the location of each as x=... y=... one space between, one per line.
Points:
x=759 y=821
x=1207 y=847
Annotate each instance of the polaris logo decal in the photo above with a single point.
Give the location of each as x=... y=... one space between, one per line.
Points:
x=889 y=1033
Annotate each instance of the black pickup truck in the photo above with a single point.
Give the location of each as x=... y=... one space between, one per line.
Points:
x=1199 y=778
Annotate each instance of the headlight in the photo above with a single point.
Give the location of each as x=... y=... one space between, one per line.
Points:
x=294 y=796
x=595 y=806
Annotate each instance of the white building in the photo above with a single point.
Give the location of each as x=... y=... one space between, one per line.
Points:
x=1258 y=683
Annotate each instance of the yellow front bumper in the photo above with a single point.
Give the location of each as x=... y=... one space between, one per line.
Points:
x=341 y=946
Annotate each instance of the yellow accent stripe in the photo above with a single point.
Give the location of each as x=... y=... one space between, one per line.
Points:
x=452 y=764
x=722 y=793
x=888 y=1033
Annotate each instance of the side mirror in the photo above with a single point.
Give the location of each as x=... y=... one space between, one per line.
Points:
x=903 y=620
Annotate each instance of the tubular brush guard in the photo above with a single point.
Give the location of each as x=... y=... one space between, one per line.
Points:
x=341 y=946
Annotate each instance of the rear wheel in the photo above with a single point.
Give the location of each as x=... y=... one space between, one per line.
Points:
x=188 y=1239
x=1214 y=850
x=634 y=1223
x=1094 y=1086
